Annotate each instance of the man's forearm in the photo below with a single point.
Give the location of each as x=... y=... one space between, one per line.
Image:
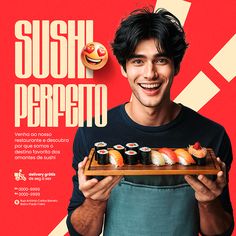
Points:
x=213 y=219
x=87 y=219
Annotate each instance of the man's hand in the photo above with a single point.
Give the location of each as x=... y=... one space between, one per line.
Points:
x=94 y=189
x=207 y=190
x=87 y=219
x=214 y=220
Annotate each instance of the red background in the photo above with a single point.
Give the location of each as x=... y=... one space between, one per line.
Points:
x=209 y=25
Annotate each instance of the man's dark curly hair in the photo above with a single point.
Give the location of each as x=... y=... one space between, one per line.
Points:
x=144 y=24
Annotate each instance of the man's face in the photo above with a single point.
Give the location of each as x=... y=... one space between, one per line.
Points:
x=150 y=74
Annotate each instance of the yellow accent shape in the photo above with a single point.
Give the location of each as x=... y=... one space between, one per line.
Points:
x=179 y=8
x=60 y=229
x=224 y=61
x=198 y=92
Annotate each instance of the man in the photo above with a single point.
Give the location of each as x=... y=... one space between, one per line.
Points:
x=149 y=47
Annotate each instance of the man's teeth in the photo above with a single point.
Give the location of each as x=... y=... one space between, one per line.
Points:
x=150 y=86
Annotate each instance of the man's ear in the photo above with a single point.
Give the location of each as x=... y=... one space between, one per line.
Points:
x=123 y=72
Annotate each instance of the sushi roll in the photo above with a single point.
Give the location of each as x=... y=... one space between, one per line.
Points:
x=169 y=156
x=198 y=153
x=99 y=146
x=103 y=157
x=131 y=157
x=120 y=149
x=115 y=158
x=132 y=146
x=157 y=159
x=184 y=158
x=145 y=155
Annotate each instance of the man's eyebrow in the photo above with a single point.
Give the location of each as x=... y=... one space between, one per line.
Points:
x=136 y=56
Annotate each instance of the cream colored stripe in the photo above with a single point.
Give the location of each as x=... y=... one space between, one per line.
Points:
x=198 y=92
x=89 y=39
x=224 y=61
x=81 y=40
x=74 y=39
x=179 y=8
x=60 y=229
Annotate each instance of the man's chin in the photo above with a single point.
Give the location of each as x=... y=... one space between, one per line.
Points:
x=150 y=104
x=147 y=101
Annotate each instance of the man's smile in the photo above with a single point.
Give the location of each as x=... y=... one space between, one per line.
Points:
x=152 y=86
x=150 y=89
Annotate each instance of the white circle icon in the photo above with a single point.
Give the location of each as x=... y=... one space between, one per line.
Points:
x=16 y=202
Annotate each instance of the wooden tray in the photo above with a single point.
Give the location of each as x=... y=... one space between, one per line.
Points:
x=92 y=168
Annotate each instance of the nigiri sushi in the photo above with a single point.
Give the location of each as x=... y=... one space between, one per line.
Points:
x=115 y=158
x=198 y=153
x=168 y=155
x=184 y=157
x=157 y=159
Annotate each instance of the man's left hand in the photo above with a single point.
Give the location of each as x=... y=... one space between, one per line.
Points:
x=207 y=190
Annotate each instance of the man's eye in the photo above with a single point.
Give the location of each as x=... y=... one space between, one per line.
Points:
x=161 y=61
x=137 y=61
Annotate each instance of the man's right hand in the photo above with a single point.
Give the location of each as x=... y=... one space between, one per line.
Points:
x=94 y=189
x=87 y=219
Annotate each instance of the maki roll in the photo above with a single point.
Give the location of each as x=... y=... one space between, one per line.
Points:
x=132 y=146
x=115 y=158
x=145 y=155
x=198 y=153
x=131 y=157
x=168 y=155
x=120 y=149
x=157 y=159
x=99 y=146
x=102 y=157
x=184 y=158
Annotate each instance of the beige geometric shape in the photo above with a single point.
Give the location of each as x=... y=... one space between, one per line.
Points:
x=198 y=92
x=79 y=39
x=179 y=8
x=89 y=39
x=60 y=229
x=224 y=61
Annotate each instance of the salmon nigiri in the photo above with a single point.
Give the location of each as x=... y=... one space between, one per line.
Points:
x=184 y=158
x=169 y=155
x=115 y=158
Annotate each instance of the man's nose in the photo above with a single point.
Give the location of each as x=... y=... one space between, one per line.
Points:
x=150 y=71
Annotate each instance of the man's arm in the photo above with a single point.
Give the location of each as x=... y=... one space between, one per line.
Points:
x=214 y=220
x=87 y=219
